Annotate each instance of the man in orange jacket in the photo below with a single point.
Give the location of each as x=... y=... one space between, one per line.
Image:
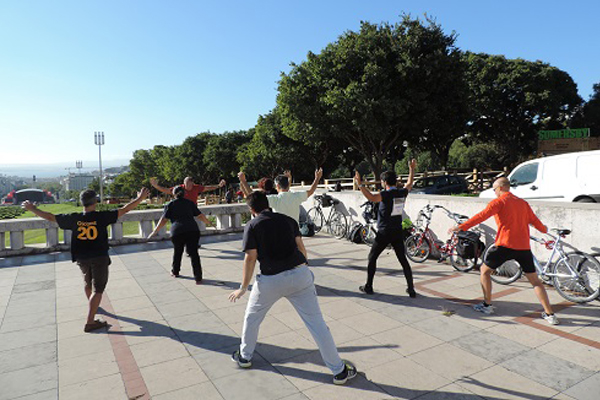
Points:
x=513 y=216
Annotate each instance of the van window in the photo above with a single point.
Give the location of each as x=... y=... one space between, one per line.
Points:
x=558 y=170
x=524 y=175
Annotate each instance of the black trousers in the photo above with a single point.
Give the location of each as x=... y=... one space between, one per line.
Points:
x=189 y=241
x=382 y=240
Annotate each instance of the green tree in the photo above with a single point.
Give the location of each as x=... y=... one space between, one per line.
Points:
x=376 y=88
x=511 y=100
x=220 y=155
x=589 y=115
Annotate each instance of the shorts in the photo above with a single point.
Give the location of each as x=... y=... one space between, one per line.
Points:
x=95 y=272
x=498 y=255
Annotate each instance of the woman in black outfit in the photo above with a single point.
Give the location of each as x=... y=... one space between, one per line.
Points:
x=184 y=231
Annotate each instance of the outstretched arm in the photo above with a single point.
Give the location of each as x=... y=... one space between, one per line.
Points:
x=142 y=194
x=156 y=186
x=249 y=264
x=243 y=184
x=162 y=222
x=374 y=197
x=42 y=214
x=214 y=187
x=318 y=175
x=204 y=219
x=412 y=165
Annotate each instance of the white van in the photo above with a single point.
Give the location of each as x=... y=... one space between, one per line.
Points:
x=566 y=177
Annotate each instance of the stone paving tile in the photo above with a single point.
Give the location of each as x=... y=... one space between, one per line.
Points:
x=406 y=340
x=264 y=384
x=86 y=367
x=546 y=369
x=204 y=391
x=157 y=351
x=108 y=387
x=16 y=322
x=367 y=353
x=28 y=356
x=83 y=345
x=500 y=383
x=523 y=334
x=489 y=346
x=445 y=328
x=51 y=394
x=305 y=371
x=34 y=286
x=370 y=323
x=450 y=361
x=284 y=346
x=172 y=375
x=405 y=379
x=451 y=392
x=360 y=388
x=270 y=326
x=144 y=331
x=408 y=315
x=587 y=389
x=569 y=350
x=218 y=364
x=27 y=337
x=38 y=379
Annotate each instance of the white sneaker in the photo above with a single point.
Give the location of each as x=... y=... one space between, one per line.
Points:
x=482 y=308
x=552 y=319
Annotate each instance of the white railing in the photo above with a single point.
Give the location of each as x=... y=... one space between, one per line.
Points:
x=228 y=219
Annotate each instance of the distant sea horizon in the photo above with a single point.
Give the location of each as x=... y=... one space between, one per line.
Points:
x=55 y=170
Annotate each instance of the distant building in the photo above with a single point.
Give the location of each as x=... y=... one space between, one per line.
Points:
x=78 y=182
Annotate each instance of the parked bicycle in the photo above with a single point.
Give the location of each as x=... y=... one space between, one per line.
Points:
x=420 y=244
x=335 y=221
x=575 y=276
x=369 y=231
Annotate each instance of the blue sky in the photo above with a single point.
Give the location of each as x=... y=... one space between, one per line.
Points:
x=154 y=72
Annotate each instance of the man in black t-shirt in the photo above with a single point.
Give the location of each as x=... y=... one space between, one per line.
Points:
x=89 y=245
x=389 y=224
x=274 y=240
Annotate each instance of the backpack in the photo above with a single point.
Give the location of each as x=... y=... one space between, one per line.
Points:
x=307 y=229
x=354 y=233
x=469 y=246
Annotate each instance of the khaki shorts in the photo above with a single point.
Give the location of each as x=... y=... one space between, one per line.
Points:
x=95 y=272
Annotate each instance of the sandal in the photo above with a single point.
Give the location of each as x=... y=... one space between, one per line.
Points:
x=97 y=324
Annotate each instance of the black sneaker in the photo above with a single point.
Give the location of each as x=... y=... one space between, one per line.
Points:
x=242 y=362
x=411 y=293
x=348 y=373
x=366 y=289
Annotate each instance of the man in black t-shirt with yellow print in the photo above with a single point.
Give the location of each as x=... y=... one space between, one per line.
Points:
x=89 y=245
x=389 y=224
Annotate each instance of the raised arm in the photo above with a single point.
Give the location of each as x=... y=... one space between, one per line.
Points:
x=42 y=214
x=204 y=219
x=243 y=184
x=156 y=186
x=142 y=194
x=412 y=165
x=374 y=197
x=313 y=187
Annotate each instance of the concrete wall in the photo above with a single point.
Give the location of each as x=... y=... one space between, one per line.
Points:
x=582 y=218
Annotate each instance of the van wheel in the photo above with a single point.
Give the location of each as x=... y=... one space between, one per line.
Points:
x=585 y=200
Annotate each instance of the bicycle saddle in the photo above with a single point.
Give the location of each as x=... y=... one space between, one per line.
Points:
x=562 y=232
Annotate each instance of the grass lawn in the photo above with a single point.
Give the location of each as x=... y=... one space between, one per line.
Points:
x=35 y=236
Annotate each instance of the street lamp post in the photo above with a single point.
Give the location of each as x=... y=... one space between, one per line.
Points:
x=99 y=141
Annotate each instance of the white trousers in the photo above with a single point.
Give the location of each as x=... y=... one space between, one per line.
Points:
x=297 y=285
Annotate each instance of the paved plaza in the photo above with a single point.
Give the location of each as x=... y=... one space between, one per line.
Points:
x=171 y=339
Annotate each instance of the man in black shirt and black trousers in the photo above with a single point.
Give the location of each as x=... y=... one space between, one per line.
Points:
x=89 y=245
x=274 y=240
x=389 y=224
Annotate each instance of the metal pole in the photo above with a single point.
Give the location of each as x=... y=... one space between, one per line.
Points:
x=99 y=140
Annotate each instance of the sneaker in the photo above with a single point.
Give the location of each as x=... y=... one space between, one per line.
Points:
x=242 y=362
x=348 y=373
x=174 y=275
x=552 y=319
x=411 y=293
x=366 y=289
x=483 y=308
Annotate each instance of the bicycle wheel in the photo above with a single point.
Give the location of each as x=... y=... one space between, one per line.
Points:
x=417 y=248
x=506 y=273
x=368 y=235
x=337 y=225
x=585 y=285
x=315 y=215
x=461 y=264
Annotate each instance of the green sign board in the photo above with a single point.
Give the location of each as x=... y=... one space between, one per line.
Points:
x=565 y=134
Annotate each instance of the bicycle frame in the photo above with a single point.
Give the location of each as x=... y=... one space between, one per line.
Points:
x=556 y=248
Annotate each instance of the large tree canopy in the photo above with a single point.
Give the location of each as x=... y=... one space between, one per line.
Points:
x=376 y=88
x=511 y=100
